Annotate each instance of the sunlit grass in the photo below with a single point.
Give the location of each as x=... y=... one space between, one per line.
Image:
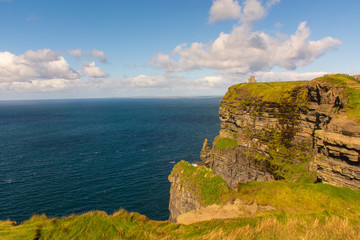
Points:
x=225 y=143
x=123 y=225
x=201 y=181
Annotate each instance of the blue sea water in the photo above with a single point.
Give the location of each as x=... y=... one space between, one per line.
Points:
x=60 y=157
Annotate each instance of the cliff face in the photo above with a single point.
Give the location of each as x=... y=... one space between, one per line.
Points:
x=193 y=188
x=282 y=130
x=182 y=199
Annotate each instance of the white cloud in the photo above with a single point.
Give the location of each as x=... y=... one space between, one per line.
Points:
x=51 y=85
x=95 y=53
x=245 y=51
x=93 y=71
x=210 y=82
x=269 y=3
x=144 y=81
x=252 y=11
x=297 y=51
x=285 y=76
x=100 y=55
x=76 y=53
x=230 y=9
x=224 y=10
x=164 y=61
x=32 y=65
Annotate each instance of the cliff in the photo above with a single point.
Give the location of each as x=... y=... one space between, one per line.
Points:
x=193 y=188
x=297 y=131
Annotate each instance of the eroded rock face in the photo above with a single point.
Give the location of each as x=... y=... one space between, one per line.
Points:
x=182 y=199
x=312 y=113
x=193 y=188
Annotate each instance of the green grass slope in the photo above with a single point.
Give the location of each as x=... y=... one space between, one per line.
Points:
x=305 y=211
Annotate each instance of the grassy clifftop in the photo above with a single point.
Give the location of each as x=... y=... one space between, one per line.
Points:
x=296 y=91
x=304 y=211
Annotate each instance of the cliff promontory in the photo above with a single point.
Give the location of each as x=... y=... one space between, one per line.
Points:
x=193 y=188
x=296 y=131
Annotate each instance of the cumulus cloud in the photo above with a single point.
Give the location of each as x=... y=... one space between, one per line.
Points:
x=93 y=71
x=252 y=11
x=165 y=62
x=44 y=70
x=245 y=51
x=34 y=65
x=224 y=10
x=231 y=9
x=297 y=51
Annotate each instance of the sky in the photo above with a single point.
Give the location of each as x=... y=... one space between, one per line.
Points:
x=60 y=49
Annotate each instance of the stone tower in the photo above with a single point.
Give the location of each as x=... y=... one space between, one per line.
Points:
x=252 y=79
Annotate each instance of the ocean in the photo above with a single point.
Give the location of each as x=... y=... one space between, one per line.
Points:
x=62 y=157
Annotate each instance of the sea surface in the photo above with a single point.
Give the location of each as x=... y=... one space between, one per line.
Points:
x=61 y=157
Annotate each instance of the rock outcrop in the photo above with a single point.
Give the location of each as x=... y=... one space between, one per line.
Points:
x=268 y=127
x=193 y=188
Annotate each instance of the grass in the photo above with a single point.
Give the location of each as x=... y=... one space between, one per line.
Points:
x=267 y=92
x=301 y=198
x=201 y=181
x=225 y=143
x=305 y=211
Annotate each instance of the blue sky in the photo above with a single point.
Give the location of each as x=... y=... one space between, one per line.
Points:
x=127 y=48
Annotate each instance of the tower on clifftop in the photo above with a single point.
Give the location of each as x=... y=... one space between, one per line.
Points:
x=252 y=79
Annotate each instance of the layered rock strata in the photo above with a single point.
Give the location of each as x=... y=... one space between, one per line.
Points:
x=312 y=115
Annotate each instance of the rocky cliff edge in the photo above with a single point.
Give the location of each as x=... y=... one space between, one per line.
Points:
x=297 y=131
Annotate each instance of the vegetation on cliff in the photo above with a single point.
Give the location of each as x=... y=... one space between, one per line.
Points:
x=274 y=125
x=296 y=92
x=224 y=143
x=201 y=181
x=350 y=87
x=285 y=160
x=267 y=92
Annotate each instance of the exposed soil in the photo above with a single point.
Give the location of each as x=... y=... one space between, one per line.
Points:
x=231 y=210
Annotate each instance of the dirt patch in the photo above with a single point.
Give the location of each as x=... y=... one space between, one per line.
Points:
x=231 y=210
